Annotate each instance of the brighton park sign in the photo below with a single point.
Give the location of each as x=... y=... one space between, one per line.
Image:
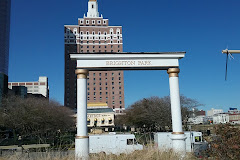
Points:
x=127 y=61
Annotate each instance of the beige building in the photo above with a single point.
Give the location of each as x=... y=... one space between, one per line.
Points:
x=100 y=115
x=93 y=35
x=35 y=87
x=234 y=118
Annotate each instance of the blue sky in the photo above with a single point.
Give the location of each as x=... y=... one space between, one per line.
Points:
x=202 y=28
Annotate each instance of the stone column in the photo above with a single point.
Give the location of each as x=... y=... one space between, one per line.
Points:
x=82 y=139
x=178 y=137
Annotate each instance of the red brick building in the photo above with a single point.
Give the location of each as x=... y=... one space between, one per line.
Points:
x=93 y=35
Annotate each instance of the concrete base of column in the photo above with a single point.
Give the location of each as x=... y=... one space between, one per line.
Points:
x=81 y=149
x=178 y=143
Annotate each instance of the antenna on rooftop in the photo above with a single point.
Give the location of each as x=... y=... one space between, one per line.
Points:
x=229 y=53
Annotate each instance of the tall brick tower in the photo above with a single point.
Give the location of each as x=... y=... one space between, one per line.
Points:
x=5 y=6
x=94 y=35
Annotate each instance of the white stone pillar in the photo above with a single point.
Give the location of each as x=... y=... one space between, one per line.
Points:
x=178 y=137
x=82 y=139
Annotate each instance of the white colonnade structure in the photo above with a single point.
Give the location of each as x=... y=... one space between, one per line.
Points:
x=127 y=61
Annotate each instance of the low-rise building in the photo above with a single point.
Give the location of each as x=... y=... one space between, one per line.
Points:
x=100 y=116
x=220 y=118
x=233 y=111
x=214 y=111
x=38 y=87
x=197 y=120
x=234 y=118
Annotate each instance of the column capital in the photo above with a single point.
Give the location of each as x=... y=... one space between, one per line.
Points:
x=173 y=72
x=81 y=73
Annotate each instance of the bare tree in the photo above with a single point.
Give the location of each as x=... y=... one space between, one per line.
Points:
x=154 y=112
x=35 y=117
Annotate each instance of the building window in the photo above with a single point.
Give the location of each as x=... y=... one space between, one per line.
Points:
x=111 y=46
x=100 y=79
x=120 y=102
x=113 y=107
x=100 y=88
x=113 y=97
x=94 y=88
x=88 y=98
x=120 y=87
x=87 y=21
x=81 y=32
x=99 y=33
x=94 y=79
x=119 y=78
x=88 y=93
x=105 y=74
x=118 y=46
x=93 y=31
x=120 y=92
x=106 y=88
x=99 y=22
x=112 y=74
x=112 y=92
x=94 y=93
x=94 y=84
x=112 y=78
x=100 y=74
x=112 y=83
x=113 y=102
x=100 y=93
x=106 y=98
x=106 y=83
x=120 y=97
x=100 y=98
x=94 y=98
x=88 y=84
x=120 y=83
x=110 y=121
x=93 y=51
x=93 y=74
x=81 y=22
x=87 y=33
x=104 y=22
x=88 y=88
x=112 y=88
x=100 y=83
x=106 y=93
x=93 y=22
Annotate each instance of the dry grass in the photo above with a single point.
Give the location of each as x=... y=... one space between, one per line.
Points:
x=146 y=154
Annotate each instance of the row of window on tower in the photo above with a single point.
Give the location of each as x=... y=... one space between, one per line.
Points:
x=119 y=78
x=100 y=83
x=99 y=38
x=93 y=22
x=75 y=31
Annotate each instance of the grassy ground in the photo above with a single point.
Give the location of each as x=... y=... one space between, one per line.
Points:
x=146 y=154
